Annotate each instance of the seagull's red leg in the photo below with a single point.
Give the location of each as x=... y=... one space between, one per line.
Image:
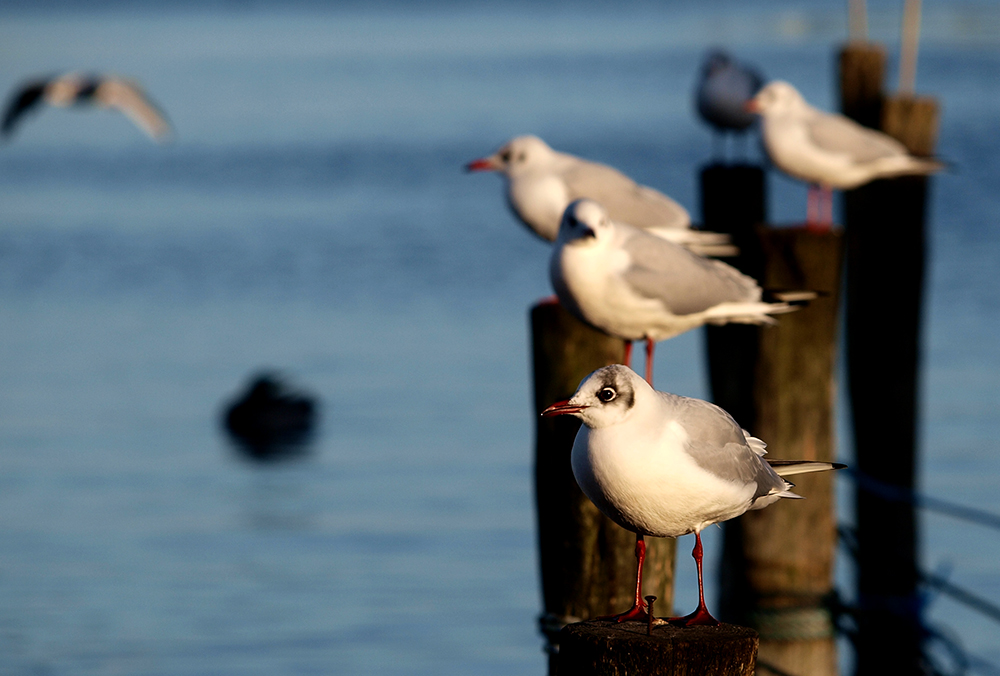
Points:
x=820 y=209
x=548 y=300
x=628 y=354
x=701 y=616
x=649 y=360
x=638 y=610
x=810 y=206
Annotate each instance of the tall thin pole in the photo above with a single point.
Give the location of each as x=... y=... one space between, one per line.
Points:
x=908 y=51
x=857 y=21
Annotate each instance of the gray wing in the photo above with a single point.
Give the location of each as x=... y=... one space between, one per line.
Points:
x=719 y=446
x=838 y=134
x=683 y=281
x=624 y=199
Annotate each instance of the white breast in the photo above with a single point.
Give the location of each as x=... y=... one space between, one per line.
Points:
x=648 y=483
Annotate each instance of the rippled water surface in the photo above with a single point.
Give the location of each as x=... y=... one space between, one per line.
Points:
x=312 y=217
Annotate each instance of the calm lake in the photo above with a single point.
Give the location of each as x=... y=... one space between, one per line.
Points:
x=312 y=217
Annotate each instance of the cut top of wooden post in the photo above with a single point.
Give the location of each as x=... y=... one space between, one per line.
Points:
x=602 y=648
x=913 y=121
x=861 y=77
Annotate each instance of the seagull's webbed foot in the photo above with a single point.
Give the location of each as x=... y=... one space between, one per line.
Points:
x=637 y=613
x=699 y=618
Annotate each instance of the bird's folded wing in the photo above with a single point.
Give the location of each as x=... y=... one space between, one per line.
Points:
x=624 y=199
x=684 y=282
x=790 y=467
x=838 y=134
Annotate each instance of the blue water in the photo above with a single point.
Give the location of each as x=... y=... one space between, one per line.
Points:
x=311 y=216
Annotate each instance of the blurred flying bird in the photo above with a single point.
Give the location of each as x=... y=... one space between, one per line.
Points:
x=662 y=465
x=269 y=419
x=542 y=181
x=723 y=90
x=633 y=285
x=828 y=150
x=74 y=89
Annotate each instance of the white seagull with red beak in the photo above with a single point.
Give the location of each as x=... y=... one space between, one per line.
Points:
x=541 y=182
x=662 y=465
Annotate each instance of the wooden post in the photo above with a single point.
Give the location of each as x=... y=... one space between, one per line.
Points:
x=777 y=382
x=886 y=252
x=777 y=563
x=587 y=561
x=861 y=73
x=610 y=649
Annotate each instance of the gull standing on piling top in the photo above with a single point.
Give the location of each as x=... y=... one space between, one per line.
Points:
x=722 y=93
x=542 y=181
x=79 y=89
x=826 y=149
x=633 y=285
x=663 y=465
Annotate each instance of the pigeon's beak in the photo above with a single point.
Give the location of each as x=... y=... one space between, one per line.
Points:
x=751 y=106
x=562 y=408
x=482 y=164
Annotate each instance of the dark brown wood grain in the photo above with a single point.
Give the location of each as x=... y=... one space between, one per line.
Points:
x=611 y=649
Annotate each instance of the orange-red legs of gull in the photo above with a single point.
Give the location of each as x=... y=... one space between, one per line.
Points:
x=701 y=616
x=819 y=208
x=638 y=610
x=649 y=358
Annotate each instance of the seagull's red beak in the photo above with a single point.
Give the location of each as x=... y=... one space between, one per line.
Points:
x=751 y=106
x=562 y=408
x=482 y=164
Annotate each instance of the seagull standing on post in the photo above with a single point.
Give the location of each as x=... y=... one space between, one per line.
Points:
x=662 y=465
x=636 y=286
x=826 y=149
x=723 y=90
x=541 y=182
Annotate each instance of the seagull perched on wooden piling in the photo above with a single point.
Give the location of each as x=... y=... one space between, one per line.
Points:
x=828 y=150
x=73 y=89
x=636 y=286
x=663 y=465
x=542 y=181
x=724 y=87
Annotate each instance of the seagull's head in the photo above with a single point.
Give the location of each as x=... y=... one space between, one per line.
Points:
x=776 y=97
x=605 y=397
x=584 y=223
x=518 y=155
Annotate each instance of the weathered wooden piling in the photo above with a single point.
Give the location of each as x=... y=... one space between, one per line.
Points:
x=778 y=382
x=587 y=561
x=886 y=256
x=886 y=253
x=620 y=649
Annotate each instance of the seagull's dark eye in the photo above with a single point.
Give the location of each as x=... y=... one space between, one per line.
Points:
x=607 y=394
x=505 y=156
